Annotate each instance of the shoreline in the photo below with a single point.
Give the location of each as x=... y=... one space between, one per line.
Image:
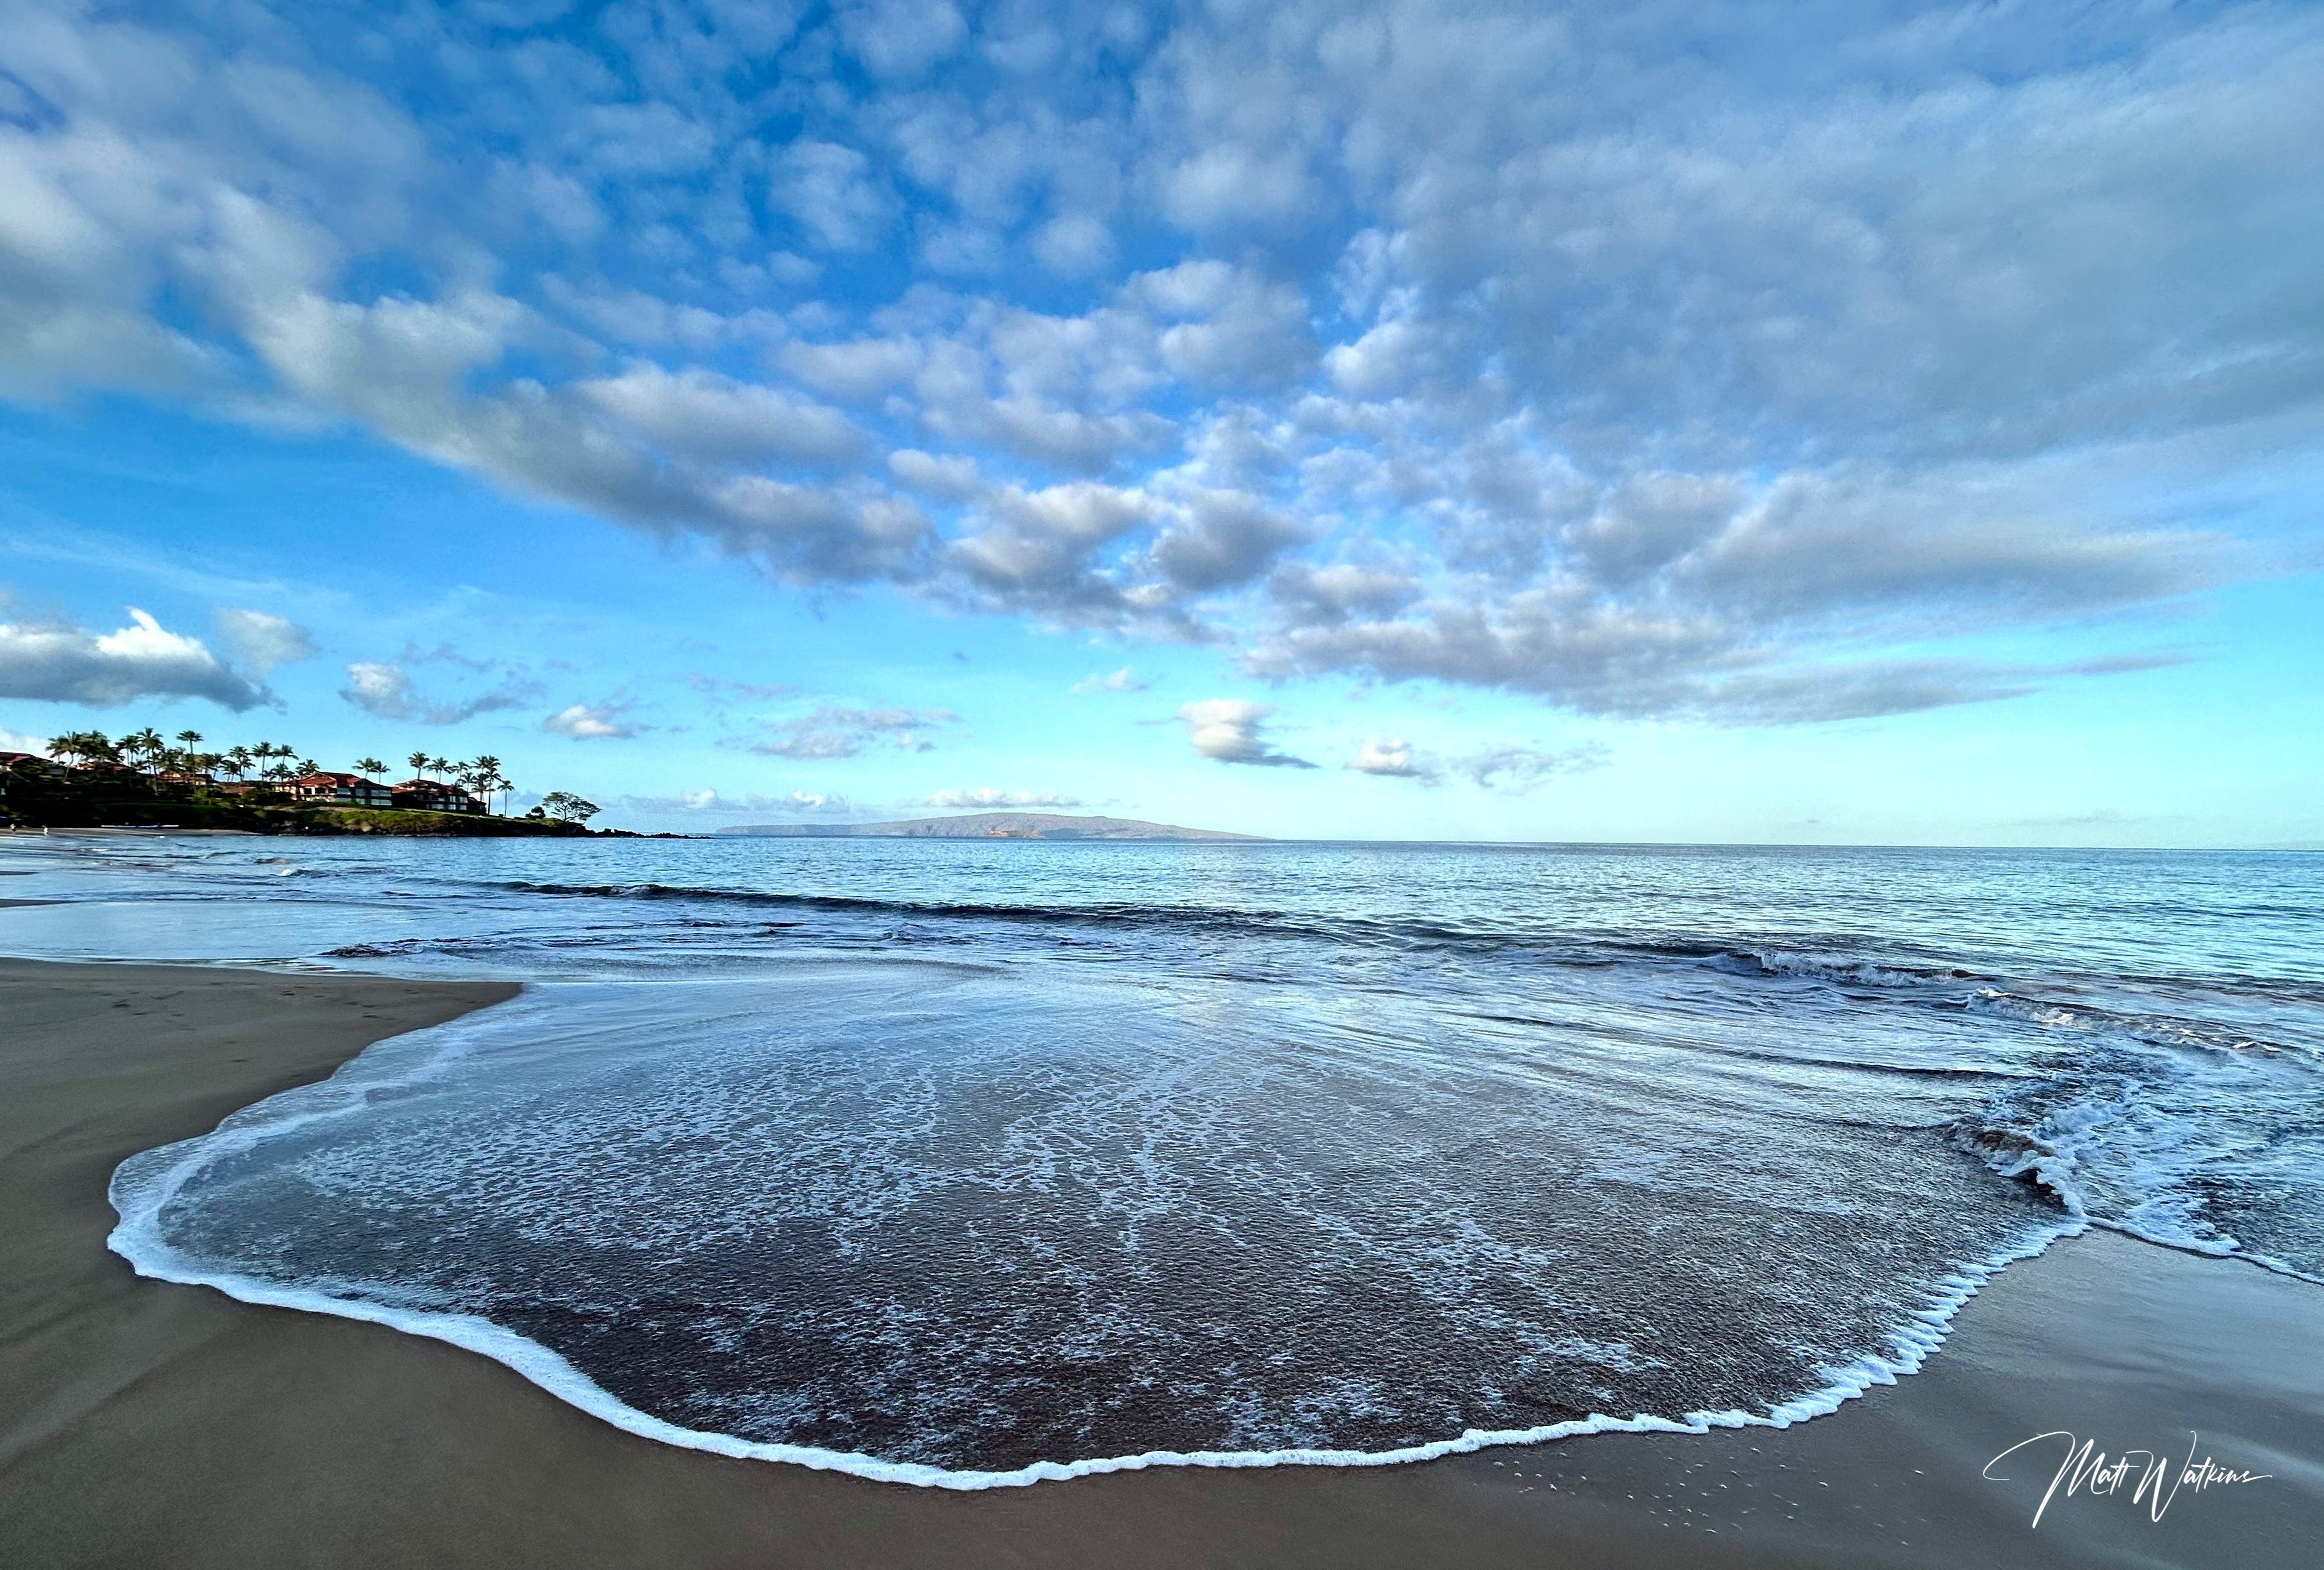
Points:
x=158 y=1423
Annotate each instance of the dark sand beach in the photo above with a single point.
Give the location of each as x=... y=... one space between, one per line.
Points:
x=148 y=1424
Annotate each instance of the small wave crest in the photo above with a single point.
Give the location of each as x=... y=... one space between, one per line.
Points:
x=1836 y=967
x=2153 y=1029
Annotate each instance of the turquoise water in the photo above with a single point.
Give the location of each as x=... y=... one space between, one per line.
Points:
x=968 y=1162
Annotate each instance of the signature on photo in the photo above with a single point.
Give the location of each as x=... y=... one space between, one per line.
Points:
x=2158 y=1476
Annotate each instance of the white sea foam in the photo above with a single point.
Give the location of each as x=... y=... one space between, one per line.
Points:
x=146 y=1187
x=1498 y=1135
x=138 y=1241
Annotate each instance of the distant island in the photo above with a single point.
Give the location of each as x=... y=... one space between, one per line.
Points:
x=990 y=826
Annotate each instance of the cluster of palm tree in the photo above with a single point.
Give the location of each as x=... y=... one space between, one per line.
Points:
x=265 y=760
x=181 y=757
x=480 y=777
x=150 y=752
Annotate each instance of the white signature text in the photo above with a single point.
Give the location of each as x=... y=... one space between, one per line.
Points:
x=2158 y=1478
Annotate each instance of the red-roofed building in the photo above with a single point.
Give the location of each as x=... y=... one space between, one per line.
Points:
x=436 y=795
x=341 y=790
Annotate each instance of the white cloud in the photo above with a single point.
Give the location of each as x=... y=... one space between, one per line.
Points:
x=1222 y=539
x=833 y=193
x=1391 y=755
x=817 y=804
x=1124 y=680
x=1709 y=385
x=1517 y=769
x=951 y=479
x=261 y=643
x=1231 y=730
x=901 y=39
x=1075 y=244
x=700 y=414
x=1512 y=769
x=1229 y=326
x=56 y=662
x=721 y=687
x=593 y=722
x=710 y=802
x=835 y=730
x=859 y=371
x=1039 y=551
x=989 y=799
x=386 y=690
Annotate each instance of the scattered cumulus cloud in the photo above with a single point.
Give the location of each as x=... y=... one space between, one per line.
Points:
x=989 y=799
x=1710 y=387
x=1231 y=731
x=593 y=722
x=1517 y=769
x=720 y=687
x=261 y=643
x=1389 y=756
x=386 y=690
x=54 y=661
x=713 y=803
x=1511 y=768
x=1124 y=680
x=833 y=730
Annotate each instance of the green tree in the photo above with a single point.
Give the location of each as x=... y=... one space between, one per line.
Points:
x=568 y=808
x=370 y=766
x=420 y=762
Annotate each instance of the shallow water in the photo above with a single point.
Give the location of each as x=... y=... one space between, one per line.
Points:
x=969 y=1162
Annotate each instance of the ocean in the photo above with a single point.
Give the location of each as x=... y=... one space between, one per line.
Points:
x=972 y=1163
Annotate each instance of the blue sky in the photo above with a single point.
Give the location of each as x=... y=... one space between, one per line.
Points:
x=1838 y=423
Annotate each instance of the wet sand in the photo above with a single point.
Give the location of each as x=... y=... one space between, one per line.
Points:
x=148 y=1424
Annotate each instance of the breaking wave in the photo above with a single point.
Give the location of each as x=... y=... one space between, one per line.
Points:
x=959 y=1166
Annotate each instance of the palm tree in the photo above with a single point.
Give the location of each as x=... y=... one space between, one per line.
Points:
x=488 y=777
x=370 y=766
x=420 y=762
x=81 y=745
x=440 y=765
x=309 y=766
x=187 y=738
x=146 y=744
x=237 y=758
